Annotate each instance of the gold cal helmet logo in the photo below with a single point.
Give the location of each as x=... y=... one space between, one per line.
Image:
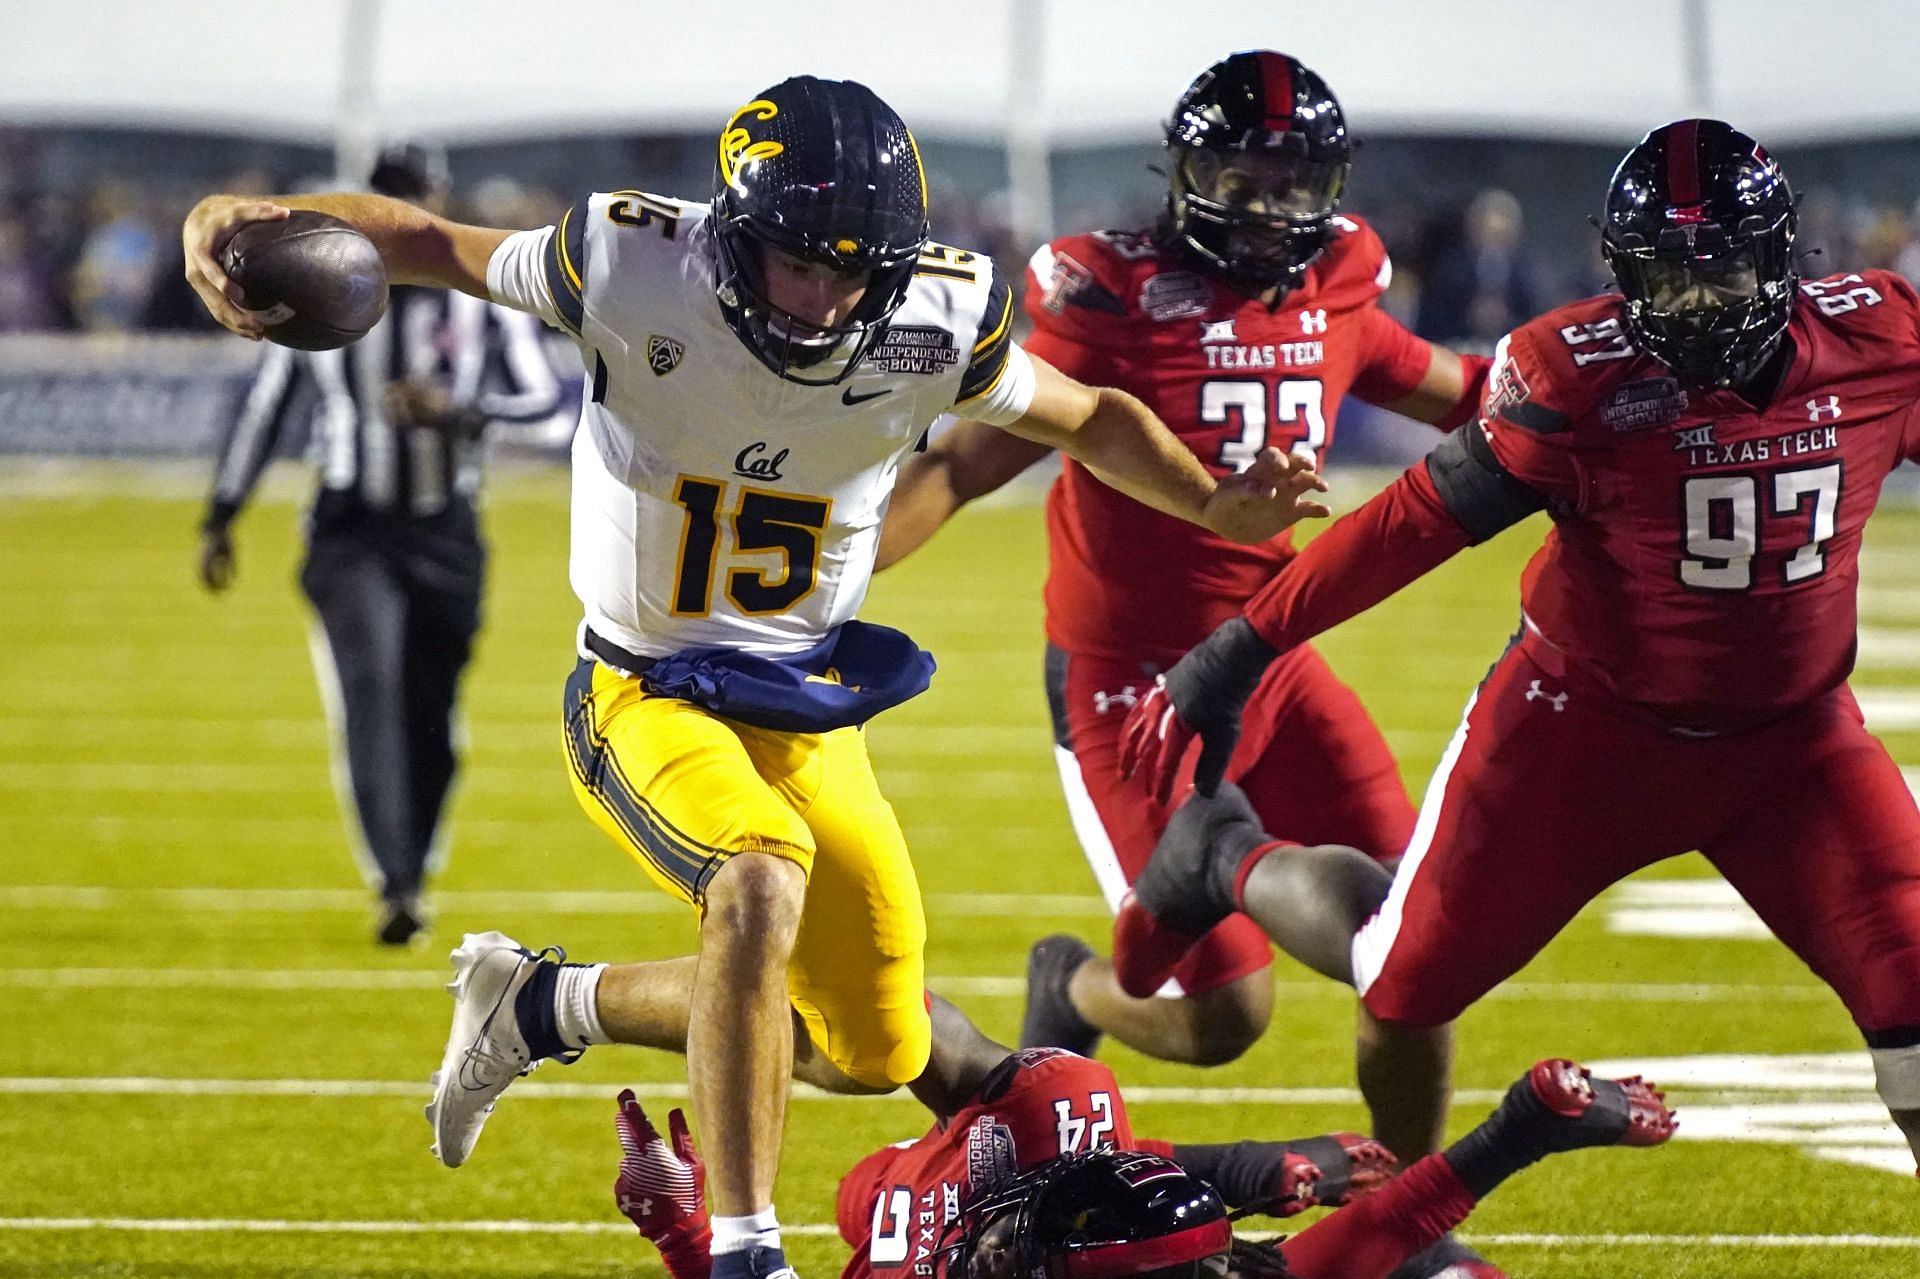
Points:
x=737 y=146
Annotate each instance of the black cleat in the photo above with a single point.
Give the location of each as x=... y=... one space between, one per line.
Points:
x=1051 y=1020
x=400 y=922
x=1569 y=1108
x=1187 y=883
x=1186 y=889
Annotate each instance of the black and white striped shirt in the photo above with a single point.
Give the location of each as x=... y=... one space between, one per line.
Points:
x=485 y=357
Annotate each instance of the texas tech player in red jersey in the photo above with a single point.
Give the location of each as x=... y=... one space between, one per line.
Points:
x=1709 y=446
x=1244 y=320
x=1032 y=1158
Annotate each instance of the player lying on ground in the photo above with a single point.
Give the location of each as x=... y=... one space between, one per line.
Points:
x=1245 y=316
x=1709 y=444
x=1031 y=1169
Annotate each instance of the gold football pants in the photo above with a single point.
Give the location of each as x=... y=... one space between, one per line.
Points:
x=682 y=790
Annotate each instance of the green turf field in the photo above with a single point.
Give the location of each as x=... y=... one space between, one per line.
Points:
x=206 y=1069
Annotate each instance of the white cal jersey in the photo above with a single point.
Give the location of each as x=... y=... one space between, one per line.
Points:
x=715 y=503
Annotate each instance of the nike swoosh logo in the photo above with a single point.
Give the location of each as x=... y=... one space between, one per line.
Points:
x=848 y=398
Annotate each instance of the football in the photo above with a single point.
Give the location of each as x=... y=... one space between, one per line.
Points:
x=316 y=283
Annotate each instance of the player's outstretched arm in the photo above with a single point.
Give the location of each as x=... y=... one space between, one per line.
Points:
x=1458 y=496
x=417 y=247
x=1449 y=391
x=1122 y=442
x=967 y=461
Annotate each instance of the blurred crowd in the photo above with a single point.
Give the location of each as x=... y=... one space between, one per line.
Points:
x=83 y=248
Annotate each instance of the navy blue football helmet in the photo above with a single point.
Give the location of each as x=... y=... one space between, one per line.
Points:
x=825 y=171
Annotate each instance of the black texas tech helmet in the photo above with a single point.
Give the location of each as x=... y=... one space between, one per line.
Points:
x=1259 y=153
x=1101 y=1215
x=1698 y=230
x=826 y=171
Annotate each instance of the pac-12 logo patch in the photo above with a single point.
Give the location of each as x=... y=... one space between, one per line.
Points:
x=664 y=354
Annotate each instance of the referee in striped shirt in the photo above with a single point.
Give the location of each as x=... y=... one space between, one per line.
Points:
x=395 y=561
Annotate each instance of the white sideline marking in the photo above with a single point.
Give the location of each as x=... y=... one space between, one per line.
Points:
x=415 y=979
x=147 y=1086
x=1838 y=1119
x=90 y=777
x=1882 y=648
x=1682 y=908
x=1889 y=709
x=84 y=897
x=239 y=1225
x=978 y=987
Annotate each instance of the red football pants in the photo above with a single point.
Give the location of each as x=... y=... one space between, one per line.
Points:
x=1309 y=758
x=1552 y=790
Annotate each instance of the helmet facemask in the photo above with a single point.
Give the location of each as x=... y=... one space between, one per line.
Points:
x=1044 y=1224
x=794 y=348
x=1710 y=306
x=1260 y=217
x=824 y=171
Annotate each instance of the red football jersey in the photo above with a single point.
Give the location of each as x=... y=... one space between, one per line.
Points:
x=1704 y=558
x=1039 y=1104
x=1229 y=377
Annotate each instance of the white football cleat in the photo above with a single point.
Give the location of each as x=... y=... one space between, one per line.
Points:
x=485 y=1050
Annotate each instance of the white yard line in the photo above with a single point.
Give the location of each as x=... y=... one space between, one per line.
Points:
x=245 y=900
x=150 y=1086
x=239 y=1225
x=419 y=979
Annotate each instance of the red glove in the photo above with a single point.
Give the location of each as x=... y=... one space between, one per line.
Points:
x=1328 y=1172
x=1202 y=694
x=662 y=1189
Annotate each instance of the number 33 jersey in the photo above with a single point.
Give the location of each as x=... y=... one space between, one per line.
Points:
x=715 y=503
x=1229 y=376
x=1704 y=559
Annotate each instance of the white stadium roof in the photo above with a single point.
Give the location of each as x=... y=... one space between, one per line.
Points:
x=1069 y=70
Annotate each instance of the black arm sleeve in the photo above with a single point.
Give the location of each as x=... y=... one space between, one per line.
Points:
x=1244 y=1172
x=1477 y=490
x=250 y=441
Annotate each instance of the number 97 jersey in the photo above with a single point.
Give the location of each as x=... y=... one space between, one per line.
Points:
x=1230 y=376
x=1704 y=560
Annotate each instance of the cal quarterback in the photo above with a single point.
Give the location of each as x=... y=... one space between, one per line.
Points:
x=758 y=366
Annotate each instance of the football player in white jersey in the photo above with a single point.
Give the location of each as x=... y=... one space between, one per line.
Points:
x=758 y=368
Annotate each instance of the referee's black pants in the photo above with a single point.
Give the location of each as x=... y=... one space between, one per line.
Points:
x=398 y=601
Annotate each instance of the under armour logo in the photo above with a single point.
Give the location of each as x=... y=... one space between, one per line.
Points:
x=1694 y=437
x=1217 y=331
x=1104 y=701
x=1314 y=321
x=629 y=1207
x=1815 y=408
x=1559 y=700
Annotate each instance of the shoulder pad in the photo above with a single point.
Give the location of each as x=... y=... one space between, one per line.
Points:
x=1875 y=299
x=1548 y=373
x=596 y=230
x=1355 y=252
x=1086 y=273
x=1019 y=1066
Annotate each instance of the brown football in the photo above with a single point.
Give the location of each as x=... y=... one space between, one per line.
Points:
x=317 y=283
